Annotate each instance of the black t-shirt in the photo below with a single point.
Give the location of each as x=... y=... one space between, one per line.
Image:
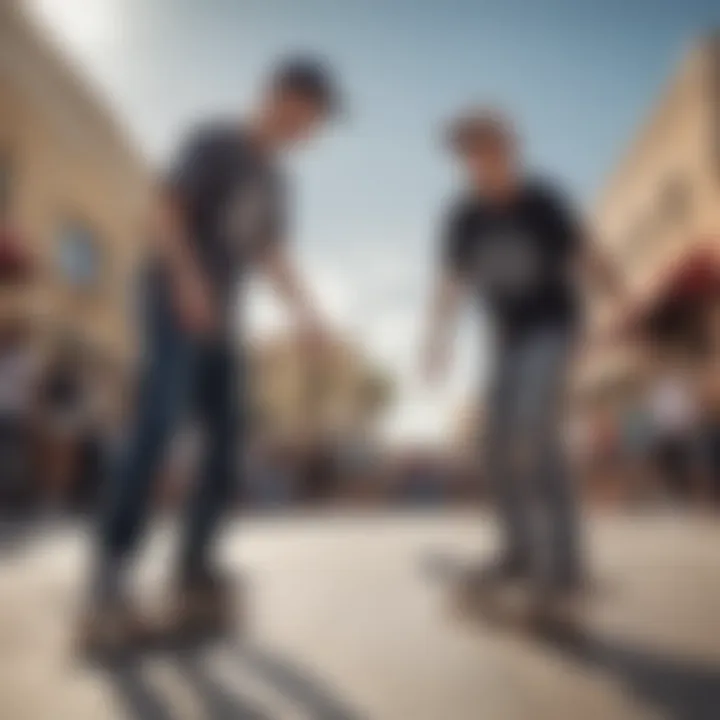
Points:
x=518 y=257
x=233 y=199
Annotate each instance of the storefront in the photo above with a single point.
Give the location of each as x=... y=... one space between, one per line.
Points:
x=681 y=314
x=678 y=326
x=58 y=390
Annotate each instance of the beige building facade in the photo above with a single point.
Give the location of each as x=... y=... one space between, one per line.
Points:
x=73 y=191
x=306 y=397
x=659 y=206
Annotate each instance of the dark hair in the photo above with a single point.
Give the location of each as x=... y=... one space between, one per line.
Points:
x=479 y=127
x=310 y=77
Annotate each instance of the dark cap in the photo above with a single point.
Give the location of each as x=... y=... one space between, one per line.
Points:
x=479 y=127
x=311 y=77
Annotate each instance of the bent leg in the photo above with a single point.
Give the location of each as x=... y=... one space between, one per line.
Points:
x=164 y=382
x=544 y=381
x=501 y=462
x=218 y=409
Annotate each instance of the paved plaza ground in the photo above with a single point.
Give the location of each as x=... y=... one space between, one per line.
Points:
x=348 y=623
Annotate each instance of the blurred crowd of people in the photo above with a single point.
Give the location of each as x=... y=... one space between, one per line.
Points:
x=662 y=446
x=55 y=435
x=54 y=426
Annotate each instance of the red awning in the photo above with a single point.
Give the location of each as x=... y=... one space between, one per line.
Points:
x=688 y=282
x=15 y=262
x=695 y=275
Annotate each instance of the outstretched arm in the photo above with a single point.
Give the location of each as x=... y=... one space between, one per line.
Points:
x=587 y=256
x=441 y=326
x=449 y=290
x=283 y=276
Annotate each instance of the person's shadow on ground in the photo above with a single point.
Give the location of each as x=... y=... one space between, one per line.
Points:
x=220 y=699
x=678 y=688
x=318 y=700
x=16 y=533
x=137 y=698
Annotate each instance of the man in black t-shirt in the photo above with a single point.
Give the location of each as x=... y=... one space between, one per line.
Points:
x=517 y=245
x=221 y=213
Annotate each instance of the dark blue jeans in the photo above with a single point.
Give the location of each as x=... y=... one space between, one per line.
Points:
x=525 y=455
x=179 y=373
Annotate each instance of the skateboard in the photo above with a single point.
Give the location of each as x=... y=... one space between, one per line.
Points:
x=510 y=606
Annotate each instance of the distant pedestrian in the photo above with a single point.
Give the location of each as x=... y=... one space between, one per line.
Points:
x=19 y=371
x=675 y=416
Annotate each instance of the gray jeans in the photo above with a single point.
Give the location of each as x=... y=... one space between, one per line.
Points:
x=525 y=458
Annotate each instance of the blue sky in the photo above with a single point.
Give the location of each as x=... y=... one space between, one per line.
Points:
x=577 y=74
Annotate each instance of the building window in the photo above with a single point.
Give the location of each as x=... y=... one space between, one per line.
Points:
x=79 y=255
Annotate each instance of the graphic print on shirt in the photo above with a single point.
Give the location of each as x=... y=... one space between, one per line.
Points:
x=247 y=215
x=507 y=263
